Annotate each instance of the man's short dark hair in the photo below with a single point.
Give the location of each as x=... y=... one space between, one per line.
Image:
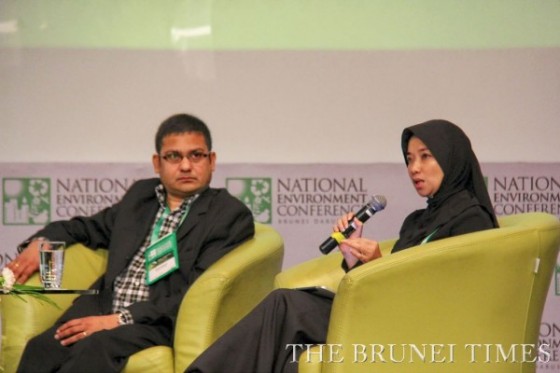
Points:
x=181 y=123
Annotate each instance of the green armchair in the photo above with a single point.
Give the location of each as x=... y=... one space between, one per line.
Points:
x=228 y=290
x=433 y=305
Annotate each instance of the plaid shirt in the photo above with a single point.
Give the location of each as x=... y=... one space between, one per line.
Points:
x=130 y=286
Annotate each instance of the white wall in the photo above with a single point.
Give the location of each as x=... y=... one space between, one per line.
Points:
x=88 y=105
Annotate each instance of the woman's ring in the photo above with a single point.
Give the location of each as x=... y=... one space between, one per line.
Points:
x=84 y=333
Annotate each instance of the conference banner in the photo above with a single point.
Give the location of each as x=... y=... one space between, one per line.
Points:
x=301 y=201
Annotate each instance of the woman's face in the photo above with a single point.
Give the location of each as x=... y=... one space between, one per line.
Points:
x=423 y=169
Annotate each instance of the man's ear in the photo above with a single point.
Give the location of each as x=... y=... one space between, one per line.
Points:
x=213 y=161
x=156 y=161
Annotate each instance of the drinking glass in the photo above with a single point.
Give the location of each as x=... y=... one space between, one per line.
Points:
x=51 y=267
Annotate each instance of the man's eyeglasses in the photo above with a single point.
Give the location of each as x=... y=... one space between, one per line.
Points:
x=177 y=157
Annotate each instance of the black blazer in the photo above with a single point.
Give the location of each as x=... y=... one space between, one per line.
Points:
x=216 y=224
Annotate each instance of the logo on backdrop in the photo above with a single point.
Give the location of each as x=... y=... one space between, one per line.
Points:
x=26 y=201
x=299 y=200
x=86 y=196
x=318 y=200
x=549 y=334
x=520 y=194
x=255 y=193
x=37 y=201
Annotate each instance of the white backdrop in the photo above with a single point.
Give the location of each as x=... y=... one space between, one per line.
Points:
x=91 y=105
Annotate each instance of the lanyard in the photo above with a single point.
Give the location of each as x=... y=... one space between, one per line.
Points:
x=159 y=224
x=429 y=236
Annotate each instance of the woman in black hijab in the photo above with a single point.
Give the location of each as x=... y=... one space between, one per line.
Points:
x=461 y=204
x=442 y=167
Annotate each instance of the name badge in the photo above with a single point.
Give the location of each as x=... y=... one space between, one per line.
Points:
x=161 y=258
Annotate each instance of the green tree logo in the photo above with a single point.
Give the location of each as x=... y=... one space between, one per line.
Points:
x=26 y=201
x=256 y=194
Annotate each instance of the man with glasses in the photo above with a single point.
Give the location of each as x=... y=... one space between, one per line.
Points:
x=141 y=291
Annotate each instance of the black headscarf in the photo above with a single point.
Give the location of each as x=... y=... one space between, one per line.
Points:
x=462 y=180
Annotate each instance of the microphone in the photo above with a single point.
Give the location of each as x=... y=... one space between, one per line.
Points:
x=376 y=204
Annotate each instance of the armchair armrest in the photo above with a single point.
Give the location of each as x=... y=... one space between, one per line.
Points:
x=321 y=271
x=226 y=292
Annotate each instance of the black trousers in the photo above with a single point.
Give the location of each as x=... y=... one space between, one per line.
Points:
x=103 y=351
x=260 y=342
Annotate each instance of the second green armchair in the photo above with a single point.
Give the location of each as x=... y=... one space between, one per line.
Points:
x=435 y=307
